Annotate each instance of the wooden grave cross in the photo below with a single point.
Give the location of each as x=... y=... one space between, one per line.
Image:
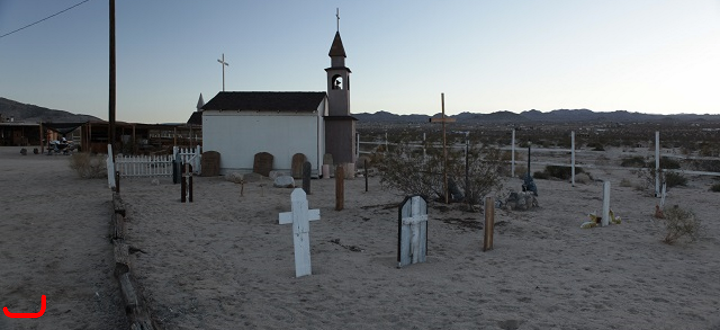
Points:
x=444 y=120
x=300 y=217
x=412 y=231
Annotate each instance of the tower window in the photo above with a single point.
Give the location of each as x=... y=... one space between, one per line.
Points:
x=337 y=82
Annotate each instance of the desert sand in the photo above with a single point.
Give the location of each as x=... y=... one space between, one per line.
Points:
x=224 y=262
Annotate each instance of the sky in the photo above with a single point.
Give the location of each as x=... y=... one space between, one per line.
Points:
x=648 y=56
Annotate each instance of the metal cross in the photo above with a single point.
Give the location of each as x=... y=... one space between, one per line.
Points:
x=224 y=64
x=337 y=14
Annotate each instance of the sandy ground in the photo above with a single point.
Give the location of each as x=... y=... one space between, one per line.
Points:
x=224 y=262
x=53 y=242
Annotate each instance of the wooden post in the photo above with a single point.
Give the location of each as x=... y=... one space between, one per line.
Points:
x=512 y=157
x=489 y=223
x=175 y=136
x=366 y=175
x=307 y=171
x=657 y=163
x=112 y=81
x=572 y=158
x=42 y=145
x=339 y=188
x=134 y=141
x=443 y=120
x=183 y=187
x=606 y=204
x=117 y=182
x=189 y=171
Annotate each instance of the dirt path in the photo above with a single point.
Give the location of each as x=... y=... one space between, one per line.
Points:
x=53 y=242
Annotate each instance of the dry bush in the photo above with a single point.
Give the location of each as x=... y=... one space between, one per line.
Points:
x=89 y=166
x=625 y=183
x=405 y=169
x=680 y=222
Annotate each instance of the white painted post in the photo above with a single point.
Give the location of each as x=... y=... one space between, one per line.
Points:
x=512 y=150
x=664 y=193
x=300 y=216
x=110 y=168
x=606 y=204
x=572 y=161
x=357 y=150
x=657 y=163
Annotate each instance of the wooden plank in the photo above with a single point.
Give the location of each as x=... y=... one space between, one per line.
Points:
x=118 y=204
x=127 y=289
x=339 y=188
x=117 y=226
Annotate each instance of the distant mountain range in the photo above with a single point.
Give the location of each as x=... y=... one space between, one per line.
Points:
x=530 y=116
x=28 y=113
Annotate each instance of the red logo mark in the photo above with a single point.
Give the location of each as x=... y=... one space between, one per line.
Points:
x=26 y=315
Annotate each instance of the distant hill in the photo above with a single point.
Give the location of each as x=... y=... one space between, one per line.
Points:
x=28 y=113
x=535 y=116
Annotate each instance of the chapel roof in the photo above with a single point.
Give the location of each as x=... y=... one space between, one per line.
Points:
x=266 y=101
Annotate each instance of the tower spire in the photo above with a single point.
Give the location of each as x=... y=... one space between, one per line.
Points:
x=337 y=14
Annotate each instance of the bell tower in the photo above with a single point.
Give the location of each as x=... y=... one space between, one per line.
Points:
x=339 y=124
x=338 y=80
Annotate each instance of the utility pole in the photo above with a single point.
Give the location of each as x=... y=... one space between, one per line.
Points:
x=111 y=105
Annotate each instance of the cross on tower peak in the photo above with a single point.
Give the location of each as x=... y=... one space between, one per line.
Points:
x=337 y=14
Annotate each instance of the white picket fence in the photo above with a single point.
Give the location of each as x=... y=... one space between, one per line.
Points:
x=157 y=165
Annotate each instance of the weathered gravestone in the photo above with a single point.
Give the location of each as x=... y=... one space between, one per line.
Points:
x=412 y=231
x=297 y=165
x=263 y=163
x=300 y=218
x=210 y=163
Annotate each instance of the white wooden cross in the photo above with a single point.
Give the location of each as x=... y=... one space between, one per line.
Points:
x=300 y=217
x=413 y=232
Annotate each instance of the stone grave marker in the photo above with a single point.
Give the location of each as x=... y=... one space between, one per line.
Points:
x=300 y=217
x=297 y=165
x=210 y=163
x=263 y=163
x=412 y=231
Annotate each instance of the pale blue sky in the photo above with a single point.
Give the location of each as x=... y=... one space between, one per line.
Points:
x=649 y=56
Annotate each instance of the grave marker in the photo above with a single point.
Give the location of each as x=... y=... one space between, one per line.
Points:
x=606 y=204
x=298 y=161
x=300 y=217
x=210 y=163
x=412 y=231
x=263 y=163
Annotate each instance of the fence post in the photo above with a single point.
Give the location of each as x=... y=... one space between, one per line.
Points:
x=512 y=150
x=657 y=163
x=572 y=160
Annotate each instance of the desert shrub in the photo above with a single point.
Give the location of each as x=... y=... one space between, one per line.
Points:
x=673 y=179
x=596 y=146
x=715 y=187
x=637 y=161
x=561 y=172
x=410 y=173
x=669 y=163
x=520 y=171
x=625 y=183
x=89 y=166
x=678 y=223
x=541 y=175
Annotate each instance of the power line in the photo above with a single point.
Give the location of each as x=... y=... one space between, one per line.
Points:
x=44 y=19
